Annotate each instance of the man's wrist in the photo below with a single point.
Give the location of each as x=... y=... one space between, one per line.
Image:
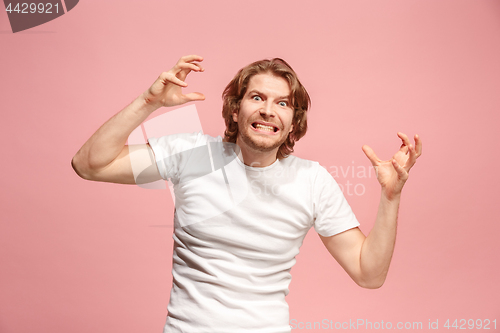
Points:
x=390 y=197
x=146 y=104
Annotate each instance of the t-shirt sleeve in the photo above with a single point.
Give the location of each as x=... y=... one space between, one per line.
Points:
x=332 y=213
x=171 y=152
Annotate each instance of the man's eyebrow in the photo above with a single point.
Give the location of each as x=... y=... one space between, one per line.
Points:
x=255 y=91
x=261 y=93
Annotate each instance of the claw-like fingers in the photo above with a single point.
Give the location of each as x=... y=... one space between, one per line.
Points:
x=411 y=160
x=190 y=66
x=169 y=77
x=183 y=68
x=190 y=58
x=404 y=138
x=418 y=145
x=371 y=155
x=399 y=169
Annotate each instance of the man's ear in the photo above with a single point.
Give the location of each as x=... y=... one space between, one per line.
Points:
x=291 y=129
x=235 y=116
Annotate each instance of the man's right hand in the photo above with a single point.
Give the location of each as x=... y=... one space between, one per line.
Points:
x=106 y=157
x=166 y=91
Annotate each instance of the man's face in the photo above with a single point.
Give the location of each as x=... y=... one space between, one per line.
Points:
x=265 y=115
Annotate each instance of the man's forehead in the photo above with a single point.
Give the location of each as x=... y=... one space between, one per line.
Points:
x=269 y=84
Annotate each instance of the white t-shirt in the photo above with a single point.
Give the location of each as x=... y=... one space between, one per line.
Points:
x=237 y=230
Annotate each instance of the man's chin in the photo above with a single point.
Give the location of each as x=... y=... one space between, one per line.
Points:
x=262 y=144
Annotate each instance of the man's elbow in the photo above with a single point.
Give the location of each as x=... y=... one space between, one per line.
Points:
x=78 y=167
x=371 y=283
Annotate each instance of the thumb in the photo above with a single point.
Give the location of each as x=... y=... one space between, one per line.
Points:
x=371 y=155
x=195 y=96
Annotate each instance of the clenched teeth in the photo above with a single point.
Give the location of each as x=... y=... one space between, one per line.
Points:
x=264 y=127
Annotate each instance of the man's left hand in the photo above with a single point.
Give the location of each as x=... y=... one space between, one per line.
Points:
x=392 y=174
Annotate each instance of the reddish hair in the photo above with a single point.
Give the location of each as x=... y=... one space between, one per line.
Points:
x=299 y=99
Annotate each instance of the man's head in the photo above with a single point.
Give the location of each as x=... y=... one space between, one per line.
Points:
x=264 y=91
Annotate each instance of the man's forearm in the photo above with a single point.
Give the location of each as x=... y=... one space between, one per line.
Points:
x=378 y=247
x=108 y=141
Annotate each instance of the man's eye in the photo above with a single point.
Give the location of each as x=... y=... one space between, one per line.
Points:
x=283 y=103
x=257 y=98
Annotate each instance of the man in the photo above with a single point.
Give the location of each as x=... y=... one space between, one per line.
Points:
x=239 y=223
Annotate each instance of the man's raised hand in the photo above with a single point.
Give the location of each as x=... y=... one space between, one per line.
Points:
x=392 y=174
x=166 y=90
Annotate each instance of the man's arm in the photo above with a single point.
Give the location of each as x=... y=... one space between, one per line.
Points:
x=367 y=259
x=106 y=157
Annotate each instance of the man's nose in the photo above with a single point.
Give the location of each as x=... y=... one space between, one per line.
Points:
x=267 y=110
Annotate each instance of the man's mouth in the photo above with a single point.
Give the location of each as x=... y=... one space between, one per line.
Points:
x=267 y=128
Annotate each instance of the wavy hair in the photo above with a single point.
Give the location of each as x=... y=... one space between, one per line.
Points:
x=299 y=99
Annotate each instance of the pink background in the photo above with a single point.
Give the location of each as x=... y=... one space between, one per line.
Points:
x=81 y=256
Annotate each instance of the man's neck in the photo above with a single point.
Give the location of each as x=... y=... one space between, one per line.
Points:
x=256 y=158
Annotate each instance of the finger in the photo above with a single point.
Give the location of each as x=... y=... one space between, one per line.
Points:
x=418 y=145
x=201 y=69
x=371 y=155
x=168 y=77
x=404 y=138
x=411 y=160
x=195 y=96
x=402 y=173
x=183 y=69
x=190 y=58
x=190 y=66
